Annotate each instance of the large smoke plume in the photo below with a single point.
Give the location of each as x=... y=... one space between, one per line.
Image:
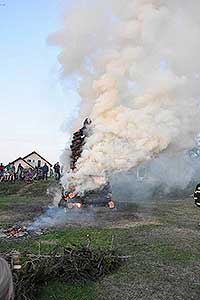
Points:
x=138 y=68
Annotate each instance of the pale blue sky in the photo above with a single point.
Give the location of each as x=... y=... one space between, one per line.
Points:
x=35 y=103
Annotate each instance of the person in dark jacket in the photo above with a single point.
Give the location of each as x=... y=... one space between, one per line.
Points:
x=57 y=171
x=20 y=171
x=45 y=170
x=2 y=170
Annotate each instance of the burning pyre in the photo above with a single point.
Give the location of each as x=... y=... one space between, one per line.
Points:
x=70 y=198
x=97 y=198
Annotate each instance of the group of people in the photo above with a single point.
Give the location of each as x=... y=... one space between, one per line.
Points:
x=10 y=173
x=7 y=173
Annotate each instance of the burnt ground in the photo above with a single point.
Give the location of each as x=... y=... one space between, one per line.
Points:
x=160 y=237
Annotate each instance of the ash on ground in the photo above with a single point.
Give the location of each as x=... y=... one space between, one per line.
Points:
x=18 y=232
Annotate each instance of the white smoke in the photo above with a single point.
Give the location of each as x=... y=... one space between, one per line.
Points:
x=57 y=217
x=138 y=66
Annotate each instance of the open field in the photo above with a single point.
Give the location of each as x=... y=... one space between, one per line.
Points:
x=22 y=201
x=162 y=240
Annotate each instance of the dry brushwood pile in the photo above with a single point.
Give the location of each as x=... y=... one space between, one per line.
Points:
x=71 y=265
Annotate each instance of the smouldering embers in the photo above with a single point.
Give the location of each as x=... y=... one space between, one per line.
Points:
x=16 y=231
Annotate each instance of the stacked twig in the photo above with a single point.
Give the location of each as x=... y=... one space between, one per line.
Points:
x=71 y=265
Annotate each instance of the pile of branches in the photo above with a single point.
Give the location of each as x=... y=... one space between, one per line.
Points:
x=70 y=265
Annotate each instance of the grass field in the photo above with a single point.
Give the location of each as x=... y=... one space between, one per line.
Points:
x=162 y=240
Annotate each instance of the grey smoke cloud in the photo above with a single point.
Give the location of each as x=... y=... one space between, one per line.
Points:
x=166 y=175
x=58 y=217
x=138 y=68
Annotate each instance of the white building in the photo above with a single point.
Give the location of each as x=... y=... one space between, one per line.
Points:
x=31 y=161
x=21 y=161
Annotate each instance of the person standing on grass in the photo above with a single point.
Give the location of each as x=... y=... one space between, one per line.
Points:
x=20 y=172
x=6 y=176
x=6 y=281
x=12 y=173
x=1 y=172
x=57 y=171
x=45 y=170
x=40 y=173
x=8 y=170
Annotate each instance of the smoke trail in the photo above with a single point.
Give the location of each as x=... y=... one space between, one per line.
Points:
x=172 y=176
x=138 y=66
x=57 y=217
x=54 y=192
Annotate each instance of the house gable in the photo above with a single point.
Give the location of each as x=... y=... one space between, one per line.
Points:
x=21 y=161
x=36 y=159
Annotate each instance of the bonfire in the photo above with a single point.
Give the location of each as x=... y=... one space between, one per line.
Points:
x=70 y=199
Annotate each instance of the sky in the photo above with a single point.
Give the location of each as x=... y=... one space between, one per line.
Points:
x=36 y=103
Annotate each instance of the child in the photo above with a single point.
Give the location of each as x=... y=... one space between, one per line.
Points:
x=29 y=176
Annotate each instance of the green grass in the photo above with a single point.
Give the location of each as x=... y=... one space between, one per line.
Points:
x=56 y=290
x=147 y=255
x=164 y=257
x=169 y=253
x=34 y=189
x=99 y=238
x=7 y=201
x=21 y=201
x=44 y=244
x=7 y=188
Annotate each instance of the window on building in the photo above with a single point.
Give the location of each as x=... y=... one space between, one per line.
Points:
x=39 y=163
x=29 y=160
